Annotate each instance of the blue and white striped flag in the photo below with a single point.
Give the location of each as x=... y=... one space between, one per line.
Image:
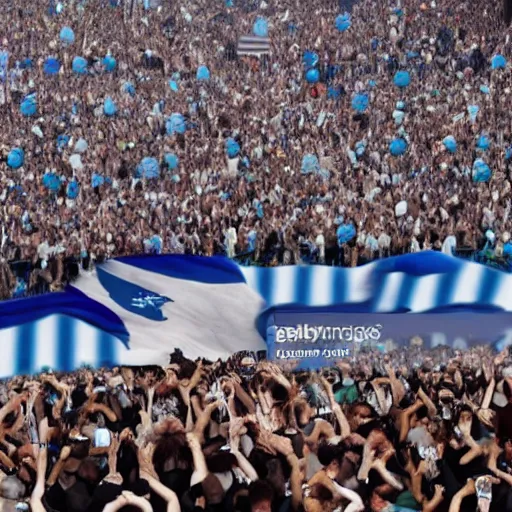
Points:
x=137 y=310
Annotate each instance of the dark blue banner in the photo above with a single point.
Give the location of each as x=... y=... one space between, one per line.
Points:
x=319 y=339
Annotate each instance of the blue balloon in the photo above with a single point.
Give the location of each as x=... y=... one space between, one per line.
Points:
x=149 y=168
x=343 y=22
x=63 y=141
x=109 y=63
x=310 y=59
x=232 y=148
x=172 y=161
x=129 y=88
x=312 y=76
x=79 y=66
x=450 y=143
x=67 y=36
x=174 y=85
x=485 y=89
x=345 y=233
x=203 y=74
x=402 y=79
x=109 y=107
x=97 y=180
x=51 y=66
x=176 y=124
x=360 y=148
x=481 y=171
x=507 y=249
x=72 y=189
x=360 y=102
x=483 y=142
x=310 y=164
x=333 y=93
x=26 y=64
x=51 y=182
x=260 y=27
x=16 y=158
x=398 y=147
x=28 y=107
x=473 y=112
x=498 y=62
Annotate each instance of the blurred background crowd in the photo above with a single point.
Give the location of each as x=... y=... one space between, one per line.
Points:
x=135 y=127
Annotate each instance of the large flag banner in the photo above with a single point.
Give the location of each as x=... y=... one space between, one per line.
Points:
x=137 y=310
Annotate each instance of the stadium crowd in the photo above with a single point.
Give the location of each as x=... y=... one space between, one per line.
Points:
x=92 y=164
x=409 y=430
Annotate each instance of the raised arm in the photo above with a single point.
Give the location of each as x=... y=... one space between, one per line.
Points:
x=200 y=467
x=236 y=430
x=336 y=409
x=147 y=471
x=36 y=498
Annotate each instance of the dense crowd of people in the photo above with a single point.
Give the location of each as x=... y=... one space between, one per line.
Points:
x=271 y=164
x=73 y=141
x=408 y=430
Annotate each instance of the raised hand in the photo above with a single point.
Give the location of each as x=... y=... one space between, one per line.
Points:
x=486 y=416
x=65 y=453
x=145 y=457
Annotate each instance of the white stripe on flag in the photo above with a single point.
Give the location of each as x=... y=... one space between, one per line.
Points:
x=9 y=343
x=322 y=286
x=86 y=345
x=284 y=285
x=391 y=292
x=359 y=285
x=424 y=298
x=46 y=343
x=467 y=286
x=503 y=297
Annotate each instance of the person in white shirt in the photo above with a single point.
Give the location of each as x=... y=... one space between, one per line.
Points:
x=320 y=243
x=101 y=434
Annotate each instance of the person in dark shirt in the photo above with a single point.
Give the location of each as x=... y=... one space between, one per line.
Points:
x=504 y=415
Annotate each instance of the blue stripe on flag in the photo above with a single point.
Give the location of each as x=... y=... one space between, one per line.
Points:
x=209 y=270
x=446 y=286
x=489 y=286
x=406 y=291
x=303 y=285
x=106 y=350
x=340 y=283
x=66 y=345
x=265 y=284
x=25 y=349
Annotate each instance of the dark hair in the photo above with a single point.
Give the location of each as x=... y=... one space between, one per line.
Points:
x=328 y=453
x=260 y=491
x=506 y=390
x=171 y=446
x=422 y=412
x=127 y=462
x=221 y=462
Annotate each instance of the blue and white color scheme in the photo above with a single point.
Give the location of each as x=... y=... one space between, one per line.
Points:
x=136 y=310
